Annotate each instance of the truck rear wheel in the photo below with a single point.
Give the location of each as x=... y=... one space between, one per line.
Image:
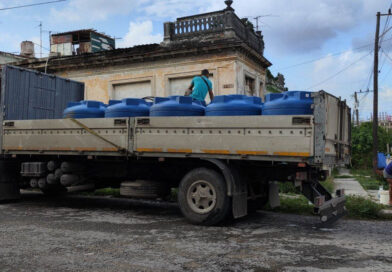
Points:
x=202 y=197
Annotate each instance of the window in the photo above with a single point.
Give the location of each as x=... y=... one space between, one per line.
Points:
x=250 y=86
x=137 y=89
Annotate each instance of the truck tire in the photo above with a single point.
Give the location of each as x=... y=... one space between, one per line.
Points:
x=202 y=197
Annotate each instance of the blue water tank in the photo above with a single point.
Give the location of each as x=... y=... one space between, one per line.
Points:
x=288 y=103
x=85 y=109
x=176 y=106
x=233 y=105
x=381 y=160
x=128 y=107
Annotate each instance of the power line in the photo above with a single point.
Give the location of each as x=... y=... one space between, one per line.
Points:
x=340 y=71
x=41 y=46
x=326 y=56
x=30 y=5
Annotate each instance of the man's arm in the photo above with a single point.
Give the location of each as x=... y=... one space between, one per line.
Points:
x=190 y=89
x=211 y=94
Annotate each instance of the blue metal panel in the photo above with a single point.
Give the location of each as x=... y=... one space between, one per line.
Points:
x=27 y=94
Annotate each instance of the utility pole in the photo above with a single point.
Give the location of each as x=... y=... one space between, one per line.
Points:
x=375 y=94
x=356 y=108
x=375 y=89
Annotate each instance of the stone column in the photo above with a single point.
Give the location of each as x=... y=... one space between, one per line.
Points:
x=168 y=30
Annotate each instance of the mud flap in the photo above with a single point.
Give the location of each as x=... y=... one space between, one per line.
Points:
x=240 y=205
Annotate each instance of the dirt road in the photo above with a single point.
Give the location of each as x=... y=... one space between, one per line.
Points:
x=102 y=234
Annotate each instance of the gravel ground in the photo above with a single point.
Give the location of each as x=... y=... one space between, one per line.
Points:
x=78 y=233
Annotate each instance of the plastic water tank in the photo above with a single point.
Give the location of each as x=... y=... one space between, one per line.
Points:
x=85 y=109
x=176 y=106
x=381 y=160
x=128 y=107
x=289 y=103
x=234 y=105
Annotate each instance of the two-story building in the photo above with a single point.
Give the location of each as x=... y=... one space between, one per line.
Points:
x=219 y=41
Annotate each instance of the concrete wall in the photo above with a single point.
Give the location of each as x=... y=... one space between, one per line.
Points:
x=166 y=77
x=4 y=59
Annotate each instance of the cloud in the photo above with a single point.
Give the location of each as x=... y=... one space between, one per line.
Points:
x=140 y=33
x=11 y=42
x=303 y=26
x=93 y=10
x=171 y=9
x=342 y=74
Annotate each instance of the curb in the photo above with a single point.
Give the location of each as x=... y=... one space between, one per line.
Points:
x=386 y=214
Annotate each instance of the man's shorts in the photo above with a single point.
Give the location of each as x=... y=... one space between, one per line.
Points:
x=386 y=175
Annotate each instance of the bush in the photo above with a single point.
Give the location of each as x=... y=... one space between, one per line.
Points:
x=362 y=144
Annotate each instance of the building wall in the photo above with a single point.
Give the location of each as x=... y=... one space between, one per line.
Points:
x=168 y=77
x=4 y=59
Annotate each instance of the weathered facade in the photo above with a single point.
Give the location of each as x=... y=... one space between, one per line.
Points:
x=217 y=41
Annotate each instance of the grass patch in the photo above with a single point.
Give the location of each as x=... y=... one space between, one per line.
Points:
x=357 y=207
x=296 y=205
x=334 y=172
x=328 y=184
x=363 y=208
x=368 y=180
x=288 y=188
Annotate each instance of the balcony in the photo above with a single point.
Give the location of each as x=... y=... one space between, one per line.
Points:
x=213 y=25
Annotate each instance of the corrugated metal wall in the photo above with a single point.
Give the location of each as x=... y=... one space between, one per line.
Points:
x=27 y=94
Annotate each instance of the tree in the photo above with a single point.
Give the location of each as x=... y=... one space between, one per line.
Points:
x=362 y=144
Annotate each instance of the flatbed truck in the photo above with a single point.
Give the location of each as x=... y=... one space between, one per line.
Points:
x=223 y=166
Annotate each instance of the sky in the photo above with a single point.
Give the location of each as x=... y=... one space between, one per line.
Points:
x=317 y=45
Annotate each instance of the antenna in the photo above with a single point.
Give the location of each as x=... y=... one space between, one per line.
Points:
x=40 y=39
x=257 y=21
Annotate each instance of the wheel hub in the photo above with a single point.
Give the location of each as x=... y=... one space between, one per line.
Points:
x=201 y=197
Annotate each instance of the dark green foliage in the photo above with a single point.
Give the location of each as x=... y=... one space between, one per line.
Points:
x=288 y=188
x=362 y=144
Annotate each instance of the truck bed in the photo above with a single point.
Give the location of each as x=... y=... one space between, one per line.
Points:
x=322 y=138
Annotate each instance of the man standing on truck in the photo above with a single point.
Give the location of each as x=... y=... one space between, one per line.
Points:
x=200 y=86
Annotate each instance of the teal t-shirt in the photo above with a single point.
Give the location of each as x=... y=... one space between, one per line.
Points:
x=200 y=88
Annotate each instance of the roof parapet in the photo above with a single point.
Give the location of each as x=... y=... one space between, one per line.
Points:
x=212 y=25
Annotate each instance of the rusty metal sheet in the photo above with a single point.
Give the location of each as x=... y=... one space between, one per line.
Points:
x=61 y=39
